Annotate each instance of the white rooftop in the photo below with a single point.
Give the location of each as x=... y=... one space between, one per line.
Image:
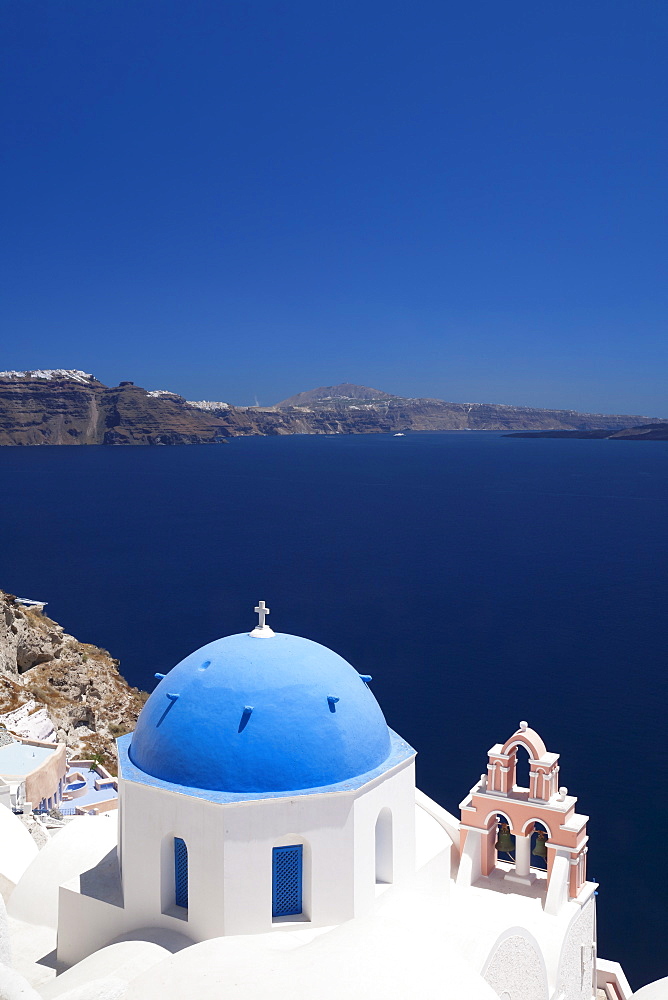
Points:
x=19 y=759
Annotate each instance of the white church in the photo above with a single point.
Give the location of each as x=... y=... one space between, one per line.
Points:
x=270 y=842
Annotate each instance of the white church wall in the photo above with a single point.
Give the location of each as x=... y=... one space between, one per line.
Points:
x=230 y=862
x=556 y=936
x=384 y=846
x=557 y=894
x=230 y=853
x=470 y=868
x=485 y=911
x=85 y=924
x=150 y=820
x=516 y=969
x=576 y=975
x=323 y=824
x=385 y=854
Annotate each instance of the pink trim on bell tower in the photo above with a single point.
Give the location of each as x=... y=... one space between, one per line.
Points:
x=543 y=802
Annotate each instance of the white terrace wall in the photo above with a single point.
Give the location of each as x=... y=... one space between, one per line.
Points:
x=46 y=780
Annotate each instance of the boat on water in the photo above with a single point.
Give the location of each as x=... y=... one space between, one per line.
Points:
x=400 y=434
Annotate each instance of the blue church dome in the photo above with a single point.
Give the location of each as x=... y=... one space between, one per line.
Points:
x=256 y=714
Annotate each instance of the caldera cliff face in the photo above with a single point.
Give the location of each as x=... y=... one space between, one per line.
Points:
x=71 y=407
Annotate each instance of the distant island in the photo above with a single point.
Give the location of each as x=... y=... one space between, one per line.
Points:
x=656 y=431
x=64 y=406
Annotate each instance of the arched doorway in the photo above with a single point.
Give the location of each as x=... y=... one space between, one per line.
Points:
x=384 y=847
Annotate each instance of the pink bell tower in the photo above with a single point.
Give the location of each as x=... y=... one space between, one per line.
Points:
x=497 y=794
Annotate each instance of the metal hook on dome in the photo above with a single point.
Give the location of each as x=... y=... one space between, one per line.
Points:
x=173 y=698
x=332 y=702
x=245 y=717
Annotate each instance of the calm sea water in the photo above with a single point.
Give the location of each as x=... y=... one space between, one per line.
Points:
x=480 y=579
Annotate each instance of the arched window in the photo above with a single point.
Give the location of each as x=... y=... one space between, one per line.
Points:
x=522 y=779
x=287 y=874
x=180 y=872
x=384 y=847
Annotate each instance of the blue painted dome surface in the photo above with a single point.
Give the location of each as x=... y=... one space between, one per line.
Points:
x=260 y=715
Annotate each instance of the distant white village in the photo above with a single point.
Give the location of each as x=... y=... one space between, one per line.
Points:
x=265 y=838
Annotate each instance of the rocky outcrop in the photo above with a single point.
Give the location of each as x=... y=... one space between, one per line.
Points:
x=61 y=407
x=76 y=685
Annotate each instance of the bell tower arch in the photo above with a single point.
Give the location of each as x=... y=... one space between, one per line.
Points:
x=485 y=842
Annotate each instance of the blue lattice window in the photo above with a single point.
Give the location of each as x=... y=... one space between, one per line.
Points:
x=180 y=872
x=287 y=880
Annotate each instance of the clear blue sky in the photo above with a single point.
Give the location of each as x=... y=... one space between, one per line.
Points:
x=231 y=198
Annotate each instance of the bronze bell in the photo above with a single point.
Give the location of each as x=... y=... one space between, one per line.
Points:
x=540 y=847
x=506 y=841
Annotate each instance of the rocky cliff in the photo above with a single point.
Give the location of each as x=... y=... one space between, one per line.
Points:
x=72 y=407
x=48 y=676
x=346 y=409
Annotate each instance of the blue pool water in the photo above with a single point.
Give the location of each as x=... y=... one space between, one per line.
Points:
x=92 y=794
x=480 y=579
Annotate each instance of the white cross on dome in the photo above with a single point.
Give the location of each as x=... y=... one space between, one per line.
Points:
x=262 y=630
x=262 y=611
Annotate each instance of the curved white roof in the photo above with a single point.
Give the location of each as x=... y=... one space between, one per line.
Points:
x=76 y=848
x=401 y=950
x=653 y=991
x=18 y=847
x=119 y=962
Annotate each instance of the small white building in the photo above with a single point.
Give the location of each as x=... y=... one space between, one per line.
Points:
x=33 y=771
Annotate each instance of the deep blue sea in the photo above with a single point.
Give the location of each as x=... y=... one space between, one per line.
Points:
x=480 y=579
